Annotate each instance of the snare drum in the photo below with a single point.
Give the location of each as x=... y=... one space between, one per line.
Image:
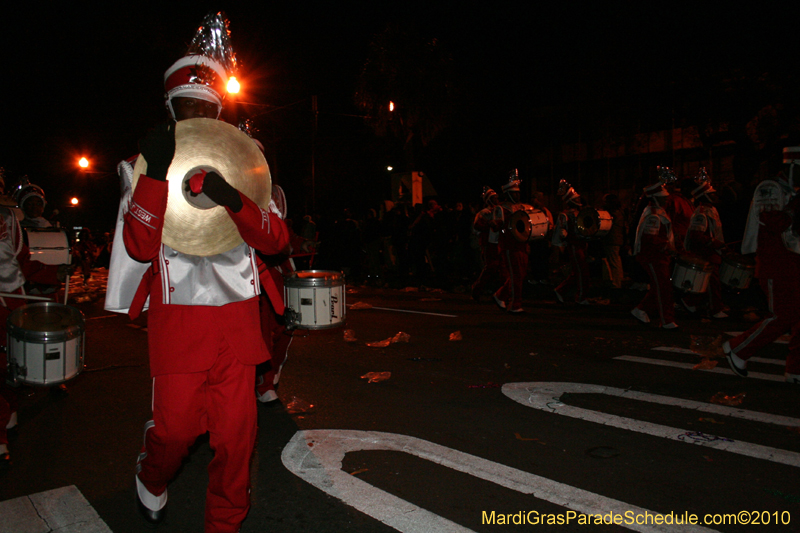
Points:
x=529 y=224
x=736 y=271
x=314 y=299
x=592 y=223
x=45 y=343
x=691 y=274
x=48 y=245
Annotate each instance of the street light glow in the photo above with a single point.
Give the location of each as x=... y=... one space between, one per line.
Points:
x=391 y=106
x=73 y=201
x=233 y=85
x=389 y=168
x=83 y=163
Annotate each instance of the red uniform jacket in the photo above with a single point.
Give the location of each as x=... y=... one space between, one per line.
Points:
x=188 y=338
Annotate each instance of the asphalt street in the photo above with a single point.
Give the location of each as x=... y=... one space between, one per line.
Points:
x=568 y=411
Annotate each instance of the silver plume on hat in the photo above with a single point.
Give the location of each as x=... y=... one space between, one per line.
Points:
x=213 y=40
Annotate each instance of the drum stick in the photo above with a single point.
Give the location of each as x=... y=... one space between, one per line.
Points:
x=23 y=296
x=69 y=275
x=66 y=289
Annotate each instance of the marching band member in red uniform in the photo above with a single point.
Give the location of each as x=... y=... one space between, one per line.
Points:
x=705 y=240
x=204 y=334
x=16 y=268
x=565 y=235
x=653 y=248
x=514 y=253
x=770 y=235
x=488 y=233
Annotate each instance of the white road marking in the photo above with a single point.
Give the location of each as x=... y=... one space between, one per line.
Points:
x=63 y=509
x=753 y=359
x=316 y=457
x=546 y=397
x=783 y=339
x=690 y=366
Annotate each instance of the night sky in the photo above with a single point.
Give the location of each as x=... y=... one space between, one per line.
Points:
x=89 y=82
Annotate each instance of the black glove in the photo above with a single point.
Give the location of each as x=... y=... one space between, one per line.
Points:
x=158 y=149
x=219 y=190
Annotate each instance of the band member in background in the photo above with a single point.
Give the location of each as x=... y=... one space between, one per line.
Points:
x=513 y=253
x=204 y=334
x=30 y=199
x=705 y=240
x=653 y=248
x=770 y=235
x=566 y=237
x=488 y=231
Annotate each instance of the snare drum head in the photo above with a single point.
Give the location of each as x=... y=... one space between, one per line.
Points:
x=46 y=319
x=314 y=278
x=739 y=261
x=693 y=262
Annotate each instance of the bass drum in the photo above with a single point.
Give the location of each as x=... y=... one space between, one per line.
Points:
x=48 y=245
x=736 y=271
x=314 y=299
x=529 y=224
x=592 y=223
x=45 y=343
x=691 y=274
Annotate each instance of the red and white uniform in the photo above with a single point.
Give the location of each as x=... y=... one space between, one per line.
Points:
x=513 y=258
x=16 y=268
x=778 y=273
x=705 y=240
x=489 y=240
x=652 y=248
x=576 y=247
x=204 y=338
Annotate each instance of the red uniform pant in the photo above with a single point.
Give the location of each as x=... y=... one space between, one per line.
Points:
x=783 y=297
x=658 y=302
x=514 y=266
x=579 y=274
x=491 y=267
x=220 y=401
x=8 y=399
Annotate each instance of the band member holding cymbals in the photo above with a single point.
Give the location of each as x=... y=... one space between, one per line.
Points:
x=204 y=334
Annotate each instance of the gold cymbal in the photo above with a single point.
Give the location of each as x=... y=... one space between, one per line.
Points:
x=198 y=226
